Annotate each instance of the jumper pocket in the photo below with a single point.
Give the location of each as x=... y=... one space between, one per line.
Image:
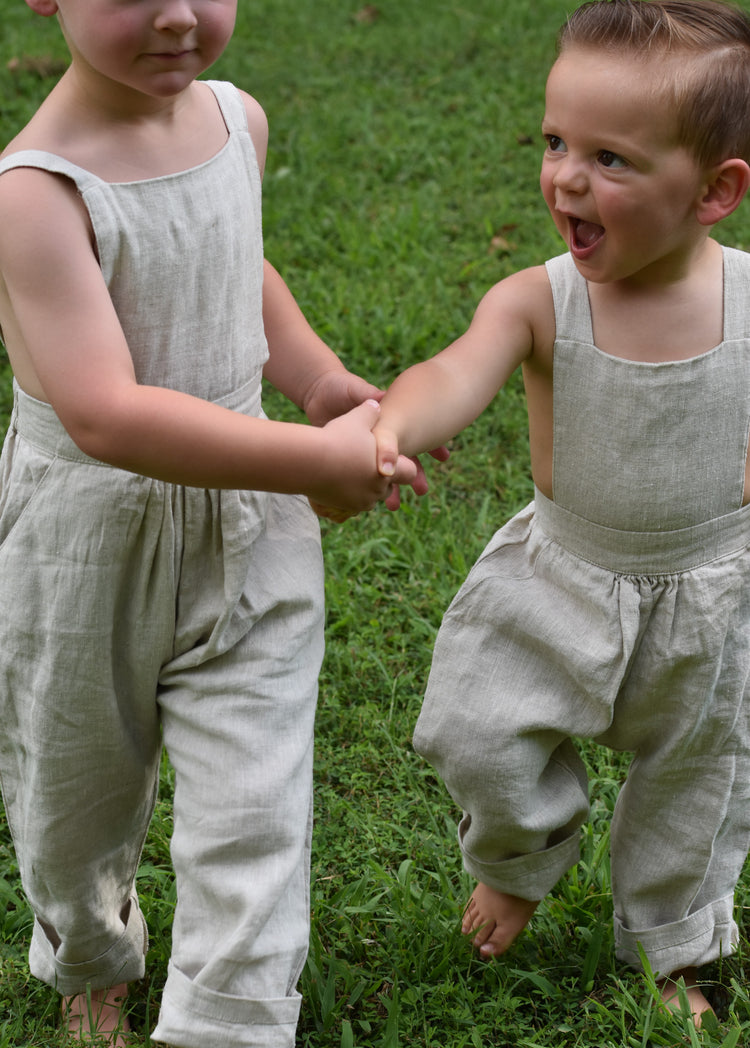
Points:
x=23 y=473
x=512 y=552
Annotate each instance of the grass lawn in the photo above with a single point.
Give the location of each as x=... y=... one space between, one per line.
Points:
x=402 y=182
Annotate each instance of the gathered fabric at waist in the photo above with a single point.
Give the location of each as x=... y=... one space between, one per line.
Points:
x=644 y=552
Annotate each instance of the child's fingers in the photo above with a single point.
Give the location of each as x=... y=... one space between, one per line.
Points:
x=419 y=484
x=393 y=500
x=386 y=453
x=404 y=472
x=369 y=410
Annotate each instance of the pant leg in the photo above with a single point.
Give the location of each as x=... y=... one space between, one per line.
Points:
x=536 y=648
x=238 y=726
x=79 y=748
x=681 y=829
x=530 y=653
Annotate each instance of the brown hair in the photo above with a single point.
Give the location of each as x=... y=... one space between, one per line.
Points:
x=710 y=83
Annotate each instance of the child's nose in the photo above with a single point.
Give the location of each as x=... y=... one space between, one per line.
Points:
x=570 y=175
x=176 y=15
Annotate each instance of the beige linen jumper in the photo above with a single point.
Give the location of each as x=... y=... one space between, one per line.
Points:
x=620 y=612
x=135 y=610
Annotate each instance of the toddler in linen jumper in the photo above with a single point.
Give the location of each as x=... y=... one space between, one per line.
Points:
x=616 y=606
x=160 y=566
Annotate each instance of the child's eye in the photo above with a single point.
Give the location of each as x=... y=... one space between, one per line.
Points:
x=608 y=159
x=555 y=144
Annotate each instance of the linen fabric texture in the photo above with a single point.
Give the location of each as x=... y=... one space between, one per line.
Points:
x=619 y=612
x=136 y=611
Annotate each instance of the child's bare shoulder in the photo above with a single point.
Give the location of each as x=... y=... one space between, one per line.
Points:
x=42 y=222
x=525 y=289
x=33 y=201
x=257 y=124
x=25 y=139
x=525 y=298
x=42 y=131
x=27 y=184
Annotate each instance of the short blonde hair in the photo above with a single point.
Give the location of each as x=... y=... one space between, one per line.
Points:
x=709 y=85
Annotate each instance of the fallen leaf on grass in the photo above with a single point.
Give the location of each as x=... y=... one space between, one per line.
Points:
x=367 y=14
x=42 y=66
x=500 y=243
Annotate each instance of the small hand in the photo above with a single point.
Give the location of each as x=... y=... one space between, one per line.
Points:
x=387 y=455
x=350 y=481
x=335 y=393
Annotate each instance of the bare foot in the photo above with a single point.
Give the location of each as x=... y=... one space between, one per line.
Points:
x=496 y=919
x=697 y=1002
x=102 y=1020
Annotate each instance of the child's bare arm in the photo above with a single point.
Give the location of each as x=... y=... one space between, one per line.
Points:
x=69 y=334
x=257 y=125
x=434 y=400
x=300 y=364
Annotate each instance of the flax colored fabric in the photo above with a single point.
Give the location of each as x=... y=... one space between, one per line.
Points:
x=136 y=612
x=618 y=612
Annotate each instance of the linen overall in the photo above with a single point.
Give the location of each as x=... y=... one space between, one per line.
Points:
x=134 y=609
x=618 y=612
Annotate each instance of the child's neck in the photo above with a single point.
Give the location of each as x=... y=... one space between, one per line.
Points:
x=122 y=141
x=673 y=320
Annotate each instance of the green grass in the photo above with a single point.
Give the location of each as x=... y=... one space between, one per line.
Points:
x=402 y=182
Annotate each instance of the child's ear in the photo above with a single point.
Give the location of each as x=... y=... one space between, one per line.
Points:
x=725 y=186
x=43 y=7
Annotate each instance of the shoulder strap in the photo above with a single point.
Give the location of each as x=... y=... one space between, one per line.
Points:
x=57 y=165
x=231 y=104
x=571 y=299
x=736 y=294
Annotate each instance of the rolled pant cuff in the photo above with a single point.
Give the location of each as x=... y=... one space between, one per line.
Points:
x=528 y=876
x=704 y=936
x=122 y=962
x=192 y=1016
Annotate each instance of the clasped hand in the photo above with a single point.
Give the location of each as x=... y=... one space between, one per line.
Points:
x=372 y=465
x=373 y=469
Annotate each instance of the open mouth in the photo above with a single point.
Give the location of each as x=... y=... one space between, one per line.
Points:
x=584 y=235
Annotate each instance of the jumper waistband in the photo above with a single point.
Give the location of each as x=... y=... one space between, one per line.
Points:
x=644 y=552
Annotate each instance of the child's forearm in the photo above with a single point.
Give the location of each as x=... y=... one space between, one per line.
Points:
x=300 y=364
x=426 y=406
x=297 y=356
x=433 y=401
x=184 y=440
